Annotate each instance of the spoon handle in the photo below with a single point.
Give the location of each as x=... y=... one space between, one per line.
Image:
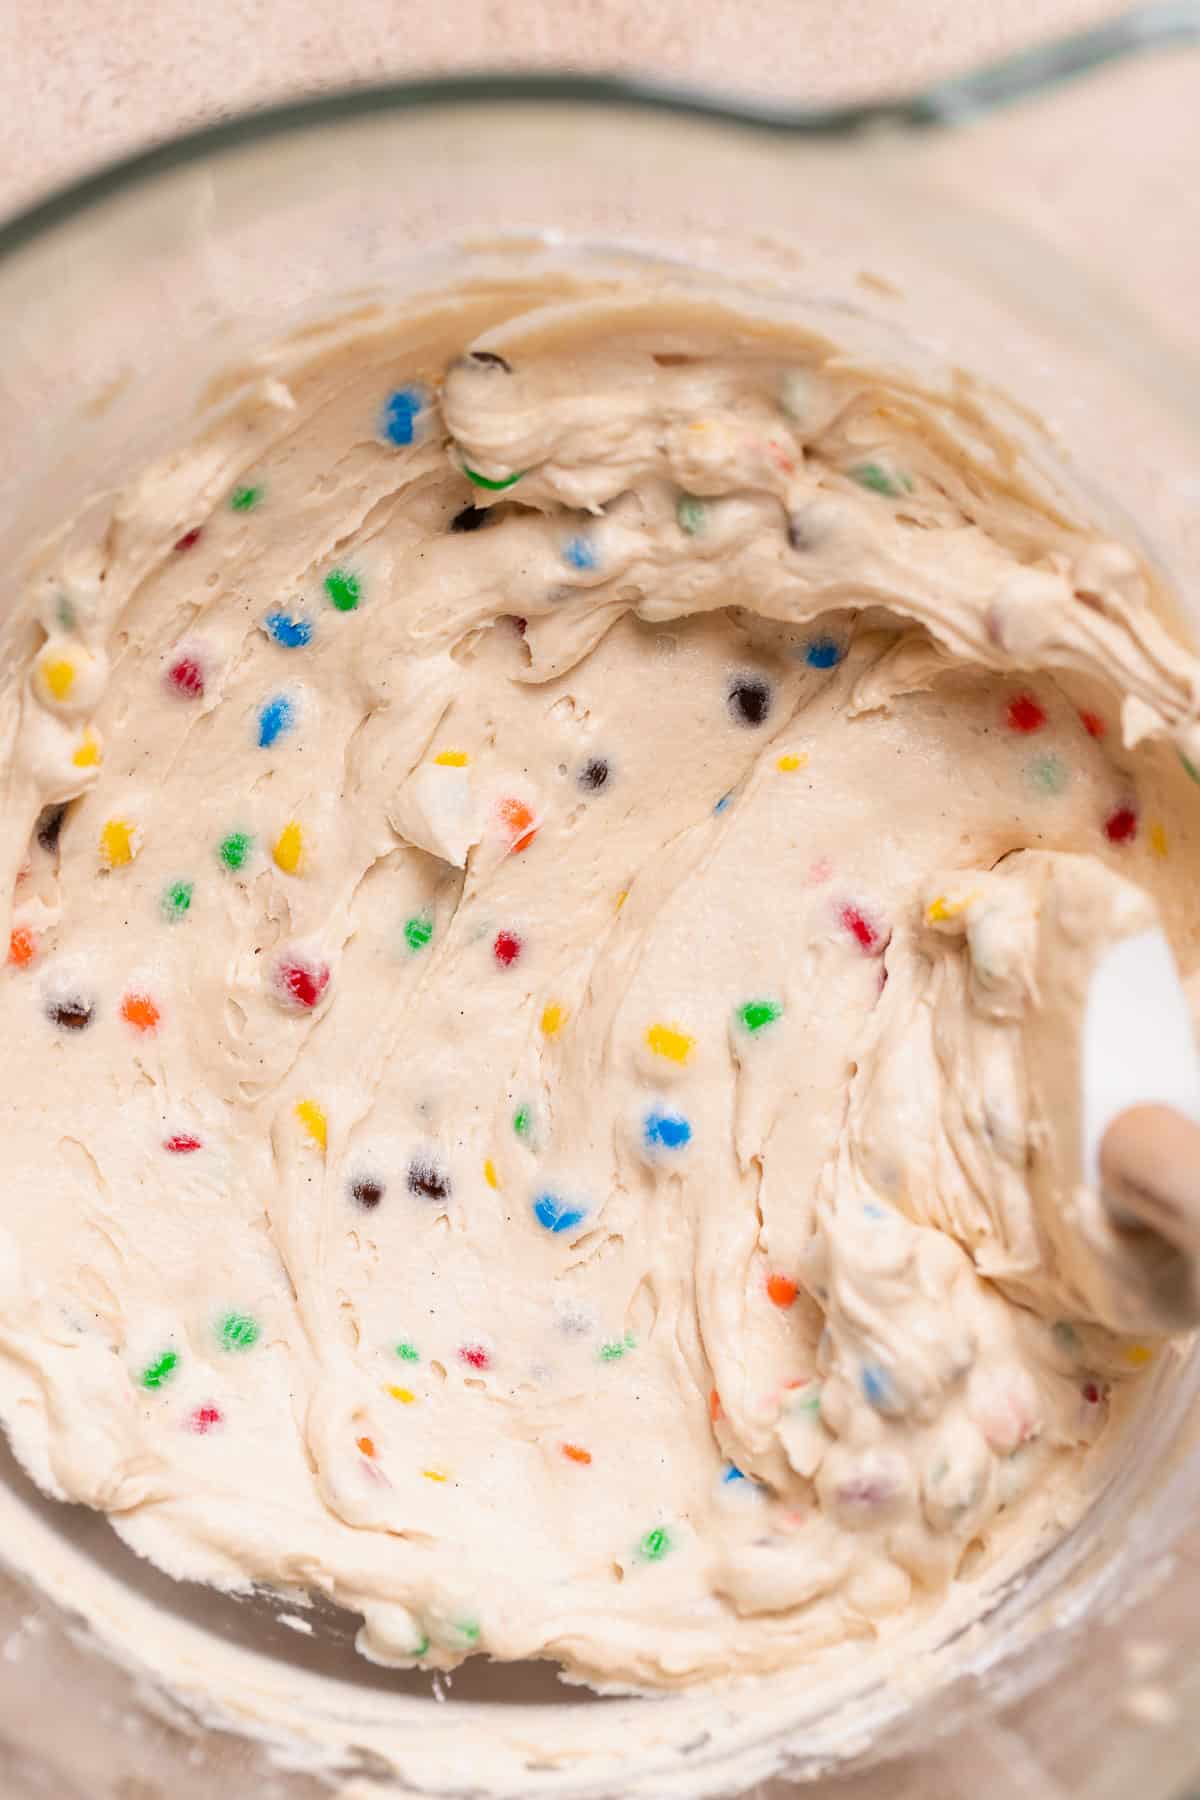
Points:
x=1150 y=1175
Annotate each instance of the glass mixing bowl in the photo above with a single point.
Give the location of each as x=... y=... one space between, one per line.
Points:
x=121 y=301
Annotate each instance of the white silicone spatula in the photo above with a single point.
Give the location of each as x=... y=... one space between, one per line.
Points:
x=1141 y=1117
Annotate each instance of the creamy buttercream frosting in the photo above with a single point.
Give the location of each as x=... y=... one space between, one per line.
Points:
x=555 y=854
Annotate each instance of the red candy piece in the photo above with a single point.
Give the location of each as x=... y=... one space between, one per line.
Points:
x=520 y=626
x=182 y=1143
x=1093 y=724
x=506 y=948
x=189 y=538
x=1025 y=713
x=302 y=983
x=475 y=1356
x=1120 y=827
x=203 y=1420
x=187 y=677
x=1092 y=1394
x=861 y=930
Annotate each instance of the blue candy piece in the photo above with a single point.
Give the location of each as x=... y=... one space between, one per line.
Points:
x=879 y=1390
x=732 y=1473
x=580 y=552
x=293 y=634
x=666 y=1131
x=555 y=1214
x=274 y=719
x=397 y=423
x=723 y=802
x=823 y=653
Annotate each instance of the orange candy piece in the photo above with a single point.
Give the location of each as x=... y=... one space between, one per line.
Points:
x=367 y=1446
x=714 y=1406
x=781 y=1291
x=520 y=822
x=140 y=1011
x=576 y=1453
x=21 y=946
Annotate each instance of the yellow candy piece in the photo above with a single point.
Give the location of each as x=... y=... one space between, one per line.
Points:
x=59 y=676
x=289 y=848
x=489 y=1174
x=942 y=908
x=622 y=897
x=434 y=1475
x=790 y=762
x=118 y=843
x=313 y=1120
x=88 y=754
x=404 y=1395
x=452 y=759
x=554 y=1017
x=1158 y=838
x=668 y=1041
x=1138 y=1355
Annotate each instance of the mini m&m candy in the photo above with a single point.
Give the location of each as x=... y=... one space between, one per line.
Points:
x=749 y=700
x=670 y=1042
x=276 y=717
x=290 y=630
x=344 y=589
x=399 y=415
x=554 y=1214
x=666 y=1130
x=22 y=946
x=120 y=841
x=300 y=981
x=186 y=676
x=141 y=1011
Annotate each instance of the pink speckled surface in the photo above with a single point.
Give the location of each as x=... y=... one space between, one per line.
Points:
x=85 y=79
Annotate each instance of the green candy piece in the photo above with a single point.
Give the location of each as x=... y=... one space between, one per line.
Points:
x=408 y=1352
x=420 y=1648
x=64 y=612
x=344 y=589
x=615 y=1348
x=468 y=1630
x=493 y=487
x=158 y=1373
x=177 y=899
x=418 y=931
x=1048 y=774
x=757 y=1013
x=245 y=498
x=234 y=849
x=691 y=514
x=655 y=1545
x=1190 y=766
x=878 y=480
x=523 y=1121
x=238 y=1331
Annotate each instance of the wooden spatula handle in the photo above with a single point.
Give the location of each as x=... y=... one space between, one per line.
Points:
x=1150 y=1168
x=1150 y=1178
